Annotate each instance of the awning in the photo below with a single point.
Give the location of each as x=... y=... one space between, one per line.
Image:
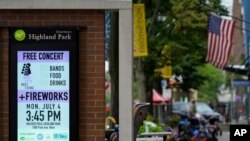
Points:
x=239 y=69
x=157 y=98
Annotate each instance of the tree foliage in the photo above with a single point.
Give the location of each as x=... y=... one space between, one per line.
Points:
x=178 y=36
x=209 y=89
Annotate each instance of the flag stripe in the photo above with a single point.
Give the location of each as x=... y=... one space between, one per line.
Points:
x=229 y=29
x=219 y=40
x=221 y=50
x=216 y=54
x=224 y=31
x=230 y=37
x=226 y=49
x=214 y=57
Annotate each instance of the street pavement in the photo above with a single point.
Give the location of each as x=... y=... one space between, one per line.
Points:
x=224 y=137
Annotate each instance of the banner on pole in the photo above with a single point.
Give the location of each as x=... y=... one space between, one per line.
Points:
x=140 y=35
x=166 y=71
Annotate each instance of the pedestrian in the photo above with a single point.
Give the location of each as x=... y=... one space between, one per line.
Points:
x=192 y=108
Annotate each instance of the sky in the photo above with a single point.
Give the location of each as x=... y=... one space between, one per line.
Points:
x=228 y=4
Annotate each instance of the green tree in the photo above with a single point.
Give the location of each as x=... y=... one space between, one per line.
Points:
x=209 y=89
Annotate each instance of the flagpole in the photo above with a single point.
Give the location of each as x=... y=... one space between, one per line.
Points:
x=224 y=14
x=216 y=11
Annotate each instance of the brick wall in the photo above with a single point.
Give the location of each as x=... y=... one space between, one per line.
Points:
x=91 y=63
x=237 y=52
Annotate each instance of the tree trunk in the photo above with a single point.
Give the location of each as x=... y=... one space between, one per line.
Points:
x=140 y=77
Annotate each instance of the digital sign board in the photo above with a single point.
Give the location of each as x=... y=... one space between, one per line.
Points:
x=43 y=84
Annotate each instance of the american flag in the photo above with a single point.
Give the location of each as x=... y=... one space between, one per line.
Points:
x=220 y=34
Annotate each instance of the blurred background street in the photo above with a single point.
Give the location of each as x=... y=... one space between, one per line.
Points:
x=181 y=61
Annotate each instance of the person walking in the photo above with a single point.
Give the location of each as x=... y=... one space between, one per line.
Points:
x=192 y=108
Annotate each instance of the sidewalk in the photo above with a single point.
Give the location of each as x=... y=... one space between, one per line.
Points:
x=225 y=126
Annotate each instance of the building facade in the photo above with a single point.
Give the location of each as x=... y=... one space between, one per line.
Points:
x=237 y=52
